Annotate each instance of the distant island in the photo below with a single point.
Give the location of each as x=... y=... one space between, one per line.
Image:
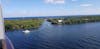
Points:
x=33 y=23
x=22 y=24
x=74 y=20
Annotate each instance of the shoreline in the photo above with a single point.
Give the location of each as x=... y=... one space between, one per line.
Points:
x=74 y=20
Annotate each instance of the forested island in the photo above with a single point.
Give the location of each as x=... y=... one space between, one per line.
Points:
x=22 y=24
x=36 y=22
x=74 y=20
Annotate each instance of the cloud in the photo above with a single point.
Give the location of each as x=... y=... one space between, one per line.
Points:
x=74 y=0
x=55 y=1
x=86 y=5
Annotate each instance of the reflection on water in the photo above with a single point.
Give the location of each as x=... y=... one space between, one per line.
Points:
x=80 y=36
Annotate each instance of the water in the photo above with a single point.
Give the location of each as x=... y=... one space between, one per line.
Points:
x=48 y=36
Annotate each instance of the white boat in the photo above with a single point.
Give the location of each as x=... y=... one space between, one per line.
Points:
x=26 y=31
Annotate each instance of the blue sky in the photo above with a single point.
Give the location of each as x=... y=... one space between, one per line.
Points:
x=23 y=8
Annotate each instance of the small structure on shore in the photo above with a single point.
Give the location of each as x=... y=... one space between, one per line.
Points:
x=86 y=19
x=60 y=21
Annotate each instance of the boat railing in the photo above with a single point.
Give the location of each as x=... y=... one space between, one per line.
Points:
x=9 y=44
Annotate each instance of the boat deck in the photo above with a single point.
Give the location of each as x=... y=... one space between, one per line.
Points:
x=6 y=44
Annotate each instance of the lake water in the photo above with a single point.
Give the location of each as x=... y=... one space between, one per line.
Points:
x=48 y=36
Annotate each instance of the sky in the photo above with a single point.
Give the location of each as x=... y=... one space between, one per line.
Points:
x=35 y=8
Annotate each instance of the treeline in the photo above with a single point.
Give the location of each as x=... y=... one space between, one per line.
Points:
x=22 y=24
x=75 y=20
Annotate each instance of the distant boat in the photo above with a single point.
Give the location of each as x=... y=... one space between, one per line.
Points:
x=26 y=31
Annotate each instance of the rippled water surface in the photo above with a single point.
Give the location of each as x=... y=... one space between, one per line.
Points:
x=48 y=36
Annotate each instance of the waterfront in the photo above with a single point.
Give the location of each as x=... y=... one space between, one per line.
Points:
x=48 y=36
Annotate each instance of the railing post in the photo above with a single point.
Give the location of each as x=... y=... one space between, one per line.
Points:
x=2 y=30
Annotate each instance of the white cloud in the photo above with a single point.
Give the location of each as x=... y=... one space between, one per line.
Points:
x=55 y=1
x=86 y=5
x=74 y=0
